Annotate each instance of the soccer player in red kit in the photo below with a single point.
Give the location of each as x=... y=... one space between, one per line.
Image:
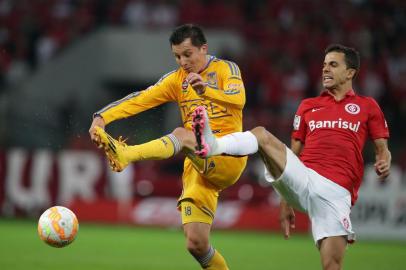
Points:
x=322 y=172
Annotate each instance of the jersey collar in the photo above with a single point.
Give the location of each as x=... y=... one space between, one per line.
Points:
x=349 y=93
x=210 y=58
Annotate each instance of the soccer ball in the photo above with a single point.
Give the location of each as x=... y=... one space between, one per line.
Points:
x=58 y=226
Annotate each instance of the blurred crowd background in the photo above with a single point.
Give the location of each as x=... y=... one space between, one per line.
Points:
x=283 y=44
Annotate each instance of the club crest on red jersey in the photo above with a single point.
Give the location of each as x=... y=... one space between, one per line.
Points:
x=352 y=108
x=296 y=122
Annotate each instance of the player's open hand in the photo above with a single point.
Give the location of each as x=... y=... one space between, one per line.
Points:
x=197 y=83
x=382 y=169
x=98 y=121
x=287 y=218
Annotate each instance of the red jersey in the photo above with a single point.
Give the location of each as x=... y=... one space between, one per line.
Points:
x=334 y=133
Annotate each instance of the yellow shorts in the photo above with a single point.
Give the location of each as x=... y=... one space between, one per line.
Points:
x=191 y=213
x=203 y=180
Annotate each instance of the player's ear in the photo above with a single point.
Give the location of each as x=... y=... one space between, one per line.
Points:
x=351 y=73
x=204 y=48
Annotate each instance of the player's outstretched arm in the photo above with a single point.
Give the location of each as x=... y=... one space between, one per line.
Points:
x=383 y=158
x=98 y=121
x=287 y=215
x=286 y=218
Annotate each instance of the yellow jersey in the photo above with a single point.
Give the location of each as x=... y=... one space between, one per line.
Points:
x=224 y=97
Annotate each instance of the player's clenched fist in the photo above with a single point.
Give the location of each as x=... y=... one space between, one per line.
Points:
x=98 y=121
x=382 y=169
x=197 y=83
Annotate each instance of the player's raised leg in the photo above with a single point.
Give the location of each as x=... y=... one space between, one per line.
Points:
x=208 y=145
x=272 y=150
x=120 y=154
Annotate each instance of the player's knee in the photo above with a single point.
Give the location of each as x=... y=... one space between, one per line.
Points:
x=185 y=137
x=331 y=264
x=196 y=245
x=180 y=132
x=263 y=136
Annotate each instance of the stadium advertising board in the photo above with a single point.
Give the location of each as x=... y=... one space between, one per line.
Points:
x=32 y=181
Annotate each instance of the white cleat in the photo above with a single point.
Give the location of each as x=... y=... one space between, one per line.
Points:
x=206 y=141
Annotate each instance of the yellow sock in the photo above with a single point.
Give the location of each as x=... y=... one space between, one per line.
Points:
x=162 y=148
x=217 y=262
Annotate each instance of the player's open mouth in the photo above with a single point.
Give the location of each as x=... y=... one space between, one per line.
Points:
x=327 y=78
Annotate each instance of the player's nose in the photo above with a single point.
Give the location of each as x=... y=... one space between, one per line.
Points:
x=182 y=61
x=325 y=69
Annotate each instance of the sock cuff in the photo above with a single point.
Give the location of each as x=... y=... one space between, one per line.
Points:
x=238 y=144
x=176 y=144
x=204 y=260
x=253 y=139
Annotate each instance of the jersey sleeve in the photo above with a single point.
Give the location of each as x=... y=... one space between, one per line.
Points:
x=299 y=124
x=161 y=92
x=232 y=93
x=377 y=126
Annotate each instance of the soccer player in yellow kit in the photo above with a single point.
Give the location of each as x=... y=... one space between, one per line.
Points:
x=201 y=79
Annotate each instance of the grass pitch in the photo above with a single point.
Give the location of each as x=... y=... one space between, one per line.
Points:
x=103 y=247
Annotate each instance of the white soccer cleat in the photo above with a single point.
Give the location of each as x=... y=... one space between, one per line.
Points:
x=206 y=141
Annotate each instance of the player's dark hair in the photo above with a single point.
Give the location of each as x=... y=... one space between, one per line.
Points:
x=195 y=33
x=351 y=56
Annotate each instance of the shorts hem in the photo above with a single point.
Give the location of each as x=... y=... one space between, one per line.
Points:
x=207 y=218
x=268 y=176
x=197 y=221
x=349 y=236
